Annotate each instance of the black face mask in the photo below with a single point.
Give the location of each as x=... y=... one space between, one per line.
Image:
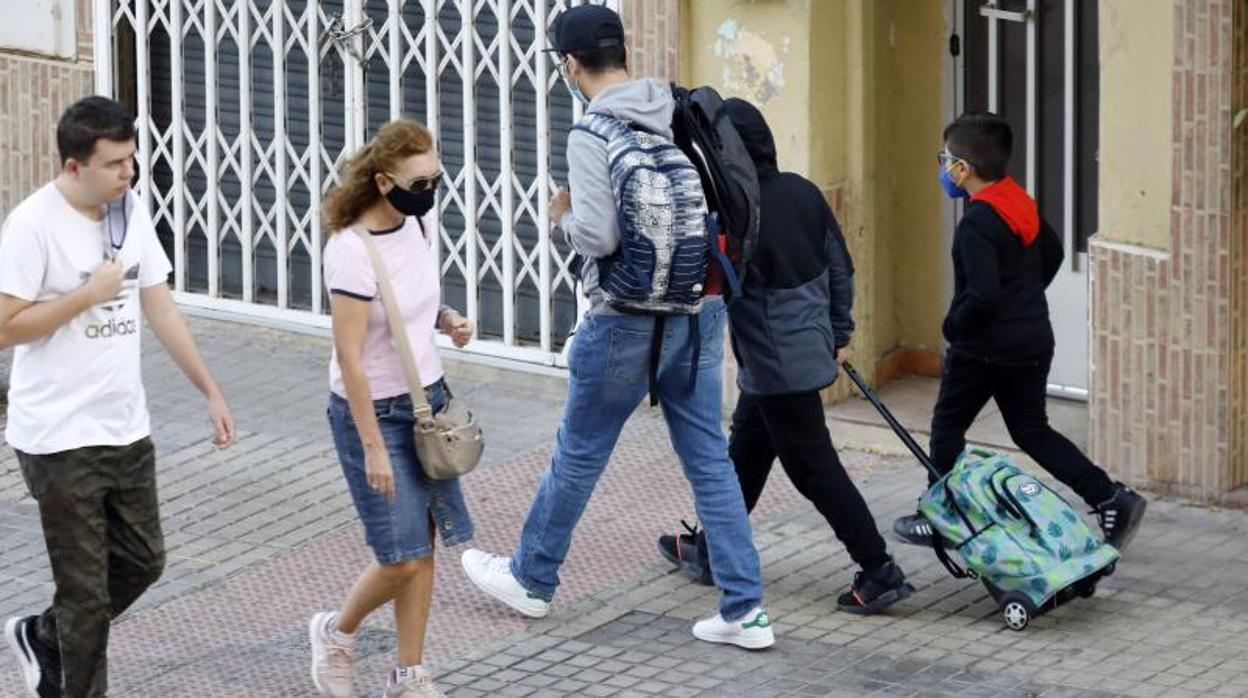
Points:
x=410 y=203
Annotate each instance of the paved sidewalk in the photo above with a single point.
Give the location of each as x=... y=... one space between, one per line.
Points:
x=277 y=489
x=263 y=535
x=1172 y=621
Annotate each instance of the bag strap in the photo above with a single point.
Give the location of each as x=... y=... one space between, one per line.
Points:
x=938 y=544
x=394 y=317
x=118 y=218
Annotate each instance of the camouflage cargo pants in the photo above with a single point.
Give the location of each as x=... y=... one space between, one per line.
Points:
x=101 y=524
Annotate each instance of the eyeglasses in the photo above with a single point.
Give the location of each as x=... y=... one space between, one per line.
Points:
x=561 y=65
x=420 y=184
x=946 y=159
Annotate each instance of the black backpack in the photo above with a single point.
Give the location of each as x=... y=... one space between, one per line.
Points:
x=704 y=132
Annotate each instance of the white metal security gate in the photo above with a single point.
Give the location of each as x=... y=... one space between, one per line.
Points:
x=246 y=109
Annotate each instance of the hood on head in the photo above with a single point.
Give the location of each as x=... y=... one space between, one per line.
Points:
x=754 y=130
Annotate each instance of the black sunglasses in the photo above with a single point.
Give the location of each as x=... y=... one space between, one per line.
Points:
x=420 y=184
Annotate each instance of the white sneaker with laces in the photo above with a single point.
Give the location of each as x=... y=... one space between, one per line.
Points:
x=332 y=660
x=420 y=685
x=492 y=574
x=752 y=632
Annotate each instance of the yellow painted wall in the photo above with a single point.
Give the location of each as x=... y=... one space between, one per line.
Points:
x=852 y=89
x=1137 y=56
x=828 y=104
x=864 y=221
x=895 y=118
x=910 y=110
x=756 y=52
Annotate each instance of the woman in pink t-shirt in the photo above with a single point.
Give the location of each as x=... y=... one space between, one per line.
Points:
x=387 y=191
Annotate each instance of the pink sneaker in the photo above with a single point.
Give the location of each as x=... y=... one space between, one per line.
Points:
x=332 y=659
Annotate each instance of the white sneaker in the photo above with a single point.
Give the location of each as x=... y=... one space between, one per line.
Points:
x=753 y=632
x=41 y=669
x=418 y=686
x=331 y=660
x=492 y=574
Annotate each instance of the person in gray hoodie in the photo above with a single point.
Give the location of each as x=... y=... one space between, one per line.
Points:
x=790 y=329
x=609 y=368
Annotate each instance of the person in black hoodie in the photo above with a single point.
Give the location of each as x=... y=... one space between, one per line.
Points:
x=1000 y=338
x=790 y=328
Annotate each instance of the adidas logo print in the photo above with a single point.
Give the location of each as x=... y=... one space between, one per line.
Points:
x=112 y=328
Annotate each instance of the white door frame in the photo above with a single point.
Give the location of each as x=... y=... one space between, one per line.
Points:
x=1069 y=291
x=954 y=74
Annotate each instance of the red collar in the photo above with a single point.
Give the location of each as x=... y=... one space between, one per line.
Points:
x=1014 y=205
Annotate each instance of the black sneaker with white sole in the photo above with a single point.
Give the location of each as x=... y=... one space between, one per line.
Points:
x=872 y=592
x=1120 y=516
x=914 y=529
x=41 y=665
x=688 y=552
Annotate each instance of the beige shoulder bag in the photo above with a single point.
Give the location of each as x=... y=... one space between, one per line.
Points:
x=449 y=443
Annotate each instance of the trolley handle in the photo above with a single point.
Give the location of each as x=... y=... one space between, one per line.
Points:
x=898 y=429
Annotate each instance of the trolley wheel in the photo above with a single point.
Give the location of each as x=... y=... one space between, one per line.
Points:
x=1016 y=612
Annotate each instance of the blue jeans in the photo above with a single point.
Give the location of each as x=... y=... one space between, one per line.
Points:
x=608 y=367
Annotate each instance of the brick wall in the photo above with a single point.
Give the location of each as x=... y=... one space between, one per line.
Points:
x=1164 y=396
x=653 y=33
x=1239 y=252
x=33 y=93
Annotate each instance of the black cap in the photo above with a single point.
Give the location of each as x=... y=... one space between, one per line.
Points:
x=586 y=28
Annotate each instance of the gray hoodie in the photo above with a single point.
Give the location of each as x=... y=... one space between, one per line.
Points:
x=590 y=227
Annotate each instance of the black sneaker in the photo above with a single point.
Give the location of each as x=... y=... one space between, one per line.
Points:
x=688 y=552
x=914 y=529
x=873 y=592
x=41 y=665
x=1120 y=516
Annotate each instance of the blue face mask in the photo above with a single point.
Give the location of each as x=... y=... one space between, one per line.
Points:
x=575 y=92
x=951 y=188
x=572 y=88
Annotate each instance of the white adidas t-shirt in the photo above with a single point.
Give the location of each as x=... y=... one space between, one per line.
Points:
x=82 y=384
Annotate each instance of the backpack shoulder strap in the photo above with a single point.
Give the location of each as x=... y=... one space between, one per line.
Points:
x=602 y=125
x=398 y=331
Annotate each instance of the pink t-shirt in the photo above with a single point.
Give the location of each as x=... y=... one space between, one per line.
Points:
x=414 y=276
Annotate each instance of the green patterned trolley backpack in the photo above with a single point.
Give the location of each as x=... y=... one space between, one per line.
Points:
x=1024 y=541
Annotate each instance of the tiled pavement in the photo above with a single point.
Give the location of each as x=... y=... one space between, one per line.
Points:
x=223 y=512
x=262 y=535
x=1172 y=621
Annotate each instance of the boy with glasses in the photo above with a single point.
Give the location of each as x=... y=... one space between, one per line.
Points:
x=1000 y=339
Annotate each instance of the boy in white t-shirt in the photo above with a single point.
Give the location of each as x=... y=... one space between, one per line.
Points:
x=80 y=269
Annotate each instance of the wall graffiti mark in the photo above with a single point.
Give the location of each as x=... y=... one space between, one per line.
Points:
x=753 y=66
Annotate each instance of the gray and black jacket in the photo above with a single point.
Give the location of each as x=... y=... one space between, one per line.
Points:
x=794 y=309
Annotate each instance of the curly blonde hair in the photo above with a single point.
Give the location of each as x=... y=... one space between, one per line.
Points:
x=357 y=187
